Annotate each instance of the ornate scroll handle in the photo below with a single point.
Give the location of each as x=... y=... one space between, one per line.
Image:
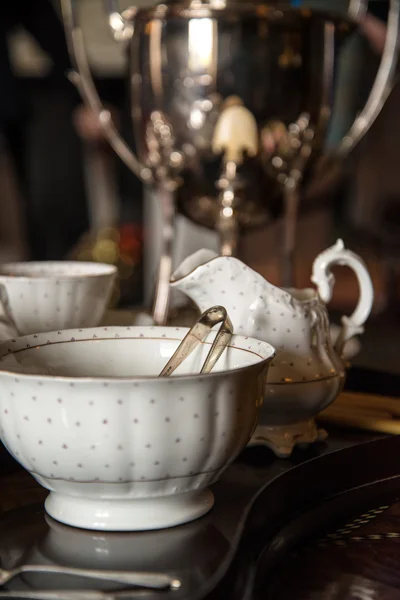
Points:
x=384 y=79
x=82 y=78
x=197 y=334
x=323 y=278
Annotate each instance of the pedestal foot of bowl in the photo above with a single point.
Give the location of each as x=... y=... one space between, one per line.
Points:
x=282 y=439
x=142 y=514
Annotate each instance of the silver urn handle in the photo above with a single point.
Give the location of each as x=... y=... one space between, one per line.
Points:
x=82 y=78
x=324 y=279
x=122 y=28
x=384 y=79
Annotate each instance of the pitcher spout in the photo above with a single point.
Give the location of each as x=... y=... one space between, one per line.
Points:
x=189 y=278
x=190 y=264
x=252 y=303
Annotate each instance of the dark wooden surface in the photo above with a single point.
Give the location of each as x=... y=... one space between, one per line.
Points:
x=358 y=560
x=263 y=537
x=199 y=552
x=277 y=525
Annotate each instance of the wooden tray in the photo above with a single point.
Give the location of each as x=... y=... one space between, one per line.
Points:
x=314 y=509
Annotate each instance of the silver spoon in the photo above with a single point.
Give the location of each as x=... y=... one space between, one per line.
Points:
x=140 y=579
x=69 y=594
x=197 y=335
x=58 y=595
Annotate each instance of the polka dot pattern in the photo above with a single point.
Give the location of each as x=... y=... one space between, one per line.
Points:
x=158 y=435
x=56 y=295
x=295 y=326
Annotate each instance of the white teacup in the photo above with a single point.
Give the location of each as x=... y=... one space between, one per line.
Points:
x=42 y=296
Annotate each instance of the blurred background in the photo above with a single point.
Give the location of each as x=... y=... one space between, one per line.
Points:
x=63 y=193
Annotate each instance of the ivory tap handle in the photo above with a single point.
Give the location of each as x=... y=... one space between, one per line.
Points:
x=236 y=132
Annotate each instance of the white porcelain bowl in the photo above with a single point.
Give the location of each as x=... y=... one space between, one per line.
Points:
x=43 y=296
x=119 y=448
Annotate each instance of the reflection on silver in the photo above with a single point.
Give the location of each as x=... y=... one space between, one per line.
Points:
x=231 y=102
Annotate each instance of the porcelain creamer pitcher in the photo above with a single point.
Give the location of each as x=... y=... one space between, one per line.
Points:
x=308 y=371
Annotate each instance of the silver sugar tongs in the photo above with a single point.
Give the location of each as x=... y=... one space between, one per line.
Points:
x=197 y=335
